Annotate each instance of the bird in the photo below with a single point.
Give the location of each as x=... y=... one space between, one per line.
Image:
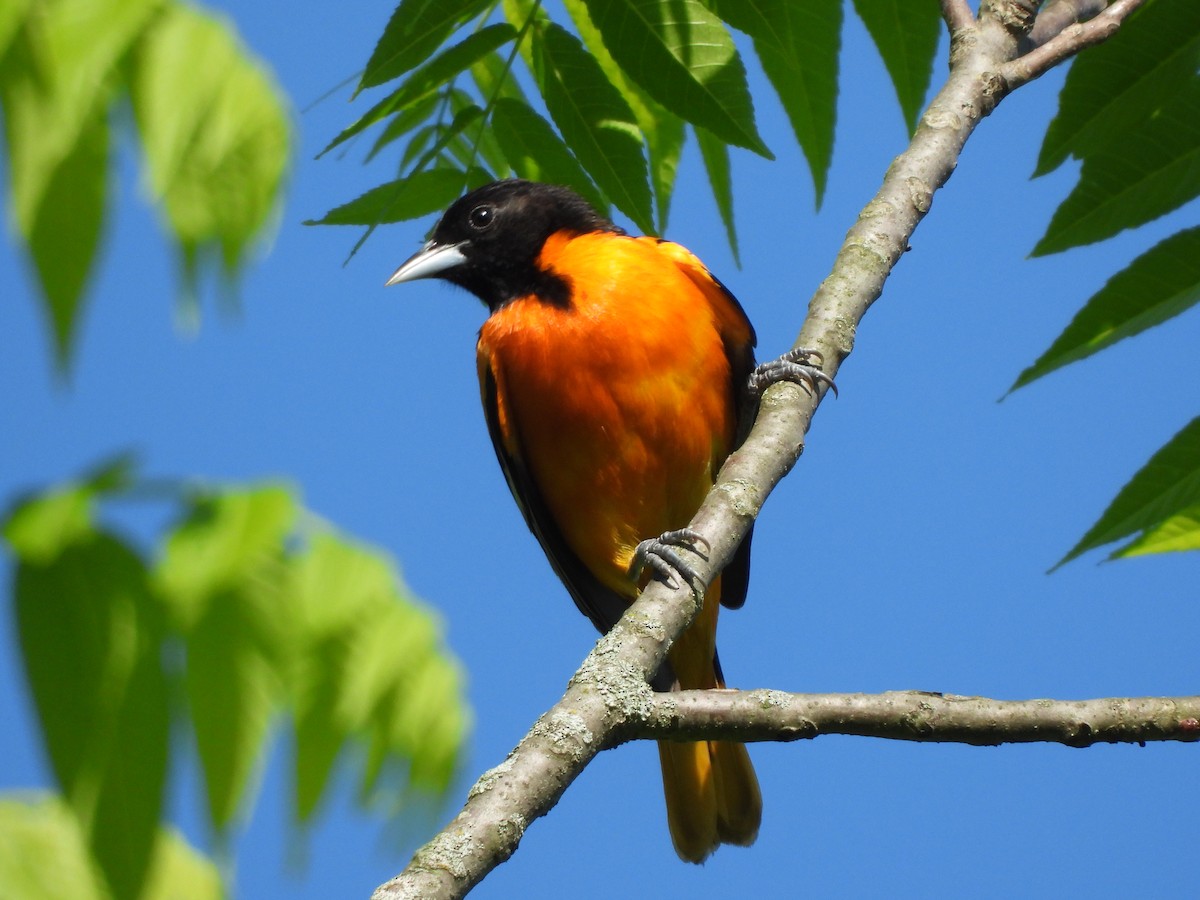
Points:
x=617 y=373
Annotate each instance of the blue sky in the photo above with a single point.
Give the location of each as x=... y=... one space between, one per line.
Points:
x=907 y=550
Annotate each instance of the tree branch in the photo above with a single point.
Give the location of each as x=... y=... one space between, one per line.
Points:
x=609 y=695
x=1058 y=14
x=958 y=15
x=919 y=716
x=1066 y=43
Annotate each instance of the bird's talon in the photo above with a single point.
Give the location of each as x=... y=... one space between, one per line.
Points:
x=661 y=556
x=799 y=365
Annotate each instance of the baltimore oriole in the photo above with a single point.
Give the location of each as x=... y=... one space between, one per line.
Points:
x=613 y=371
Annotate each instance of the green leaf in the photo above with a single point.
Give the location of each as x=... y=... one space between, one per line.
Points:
x=536 y=152
x=482 y=144
x=43 y=857
x=682 y=56
x=42 y=527
x=493 y=76
x=233 y=686
x=1159 y=284
x=797 y=44
x=91 y=635
x=12 y=16
x=56 y=84
x=1115 y=86
x=417 y=28
x=431 y=78
x=594 y=120
x=906 y=34
x=1175 y=533
x=223 y=539
x=1166 y=489
x=402 y=123
x=215 y=131
x=411 y=197
x=366 y=644
x=716 y=162
x=1153 y=171
x=663 y=131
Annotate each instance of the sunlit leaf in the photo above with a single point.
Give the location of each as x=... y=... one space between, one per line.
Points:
x=215 y=131
x=91 y=633
x=906 y=34
x=1153 y=171
x=1166 y=489
x=1175 y=533
x=682 y=56
x=402 y=123
x=223 y=537
x=417 y=28
x=1113 y=87
x=12 y=15
x=493 y=76
x=1159 y=284
x=43 y=856
x=594 y=119
x=797 y=44
x=715 y=153
x=536 y=152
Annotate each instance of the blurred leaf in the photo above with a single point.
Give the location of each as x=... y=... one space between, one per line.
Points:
x=405 y=198
x=663 y=131
x=536 y=152
x=493 y=76
x=233 y=686
x=1115 y=86
x=1153 y=171
x=797 y=44
x=41 y=528
x=417 y=28
x=91 y=635
x=482 y=144
x=1165 y=490
x=224 y=537
x=683 y=57
x=715 y=153
x=56 y=84
x=215 y=131
x=12 y=15
x=431 y=78
x=1159 y=284
x=366 y=643
x=906 y=34
x=43 y=857
x=594 y=119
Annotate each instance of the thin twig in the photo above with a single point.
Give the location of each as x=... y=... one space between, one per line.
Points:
x=1066 y=44
x=1059 y=14
x=958 y=15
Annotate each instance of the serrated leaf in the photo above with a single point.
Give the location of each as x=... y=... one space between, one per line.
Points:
x=663 y=131
x=406 y=198
x=594 y=120
x=797 y=44
x=482 y=144
x=91 y=635
x=1159 y=284
x=535 y=152
x=715 y=153
x=215 y=130
x=402 y=123
x=1166 y=488
x=1116 y=85
x=416 y=29
x=224 y=539
x=493 y=76
x=906 y=35
x=682 y=56
x=431 y=78
x=1153 y=171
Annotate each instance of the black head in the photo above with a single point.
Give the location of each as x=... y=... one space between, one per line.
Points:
x=489 y=240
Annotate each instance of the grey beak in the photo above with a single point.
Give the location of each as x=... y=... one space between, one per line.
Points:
x=429 y=261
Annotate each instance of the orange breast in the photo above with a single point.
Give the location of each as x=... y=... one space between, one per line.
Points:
x=621 y=406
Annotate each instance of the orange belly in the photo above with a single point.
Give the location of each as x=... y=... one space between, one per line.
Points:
x=619 y=404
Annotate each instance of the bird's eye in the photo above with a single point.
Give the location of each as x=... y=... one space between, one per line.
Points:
x=481 y=217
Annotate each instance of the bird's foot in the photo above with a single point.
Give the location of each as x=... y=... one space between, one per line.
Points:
x=799 y=365
x=662 y=557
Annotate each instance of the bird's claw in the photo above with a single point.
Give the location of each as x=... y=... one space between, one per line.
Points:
x=661 y=556
x=799 y=365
